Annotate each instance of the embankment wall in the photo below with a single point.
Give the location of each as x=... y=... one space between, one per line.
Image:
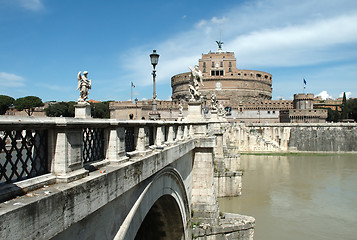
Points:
x=325 y=137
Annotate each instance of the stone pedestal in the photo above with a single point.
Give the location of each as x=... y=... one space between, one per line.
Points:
x=194 y=111
x=82 y=111
x=214 y=115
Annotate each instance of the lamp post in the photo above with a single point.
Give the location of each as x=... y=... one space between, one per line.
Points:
x=154 y=58
x=205 y=106
x=136 y=108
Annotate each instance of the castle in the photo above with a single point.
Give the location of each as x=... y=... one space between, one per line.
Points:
x=245 y=94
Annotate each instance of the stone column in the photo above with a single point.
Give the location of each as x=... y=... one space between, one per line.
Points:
x=67 y=163
x=171 y=135
x=204 y=201
x=140 y=140
x=116 y=145
x=159 y=137
x=179 y=133
x=185 y=132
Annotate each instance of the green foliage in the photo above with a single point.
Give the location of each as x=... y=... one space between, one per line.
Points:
x=5 y=103
x=352 y=108
x=64 y=109
x=344 y=107
x=100 y=110
x=333 y=115
x=28 y=104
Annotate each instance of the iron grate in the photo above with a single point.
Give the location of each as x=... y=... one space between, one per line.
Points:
x=23 y=154
x=93 y=144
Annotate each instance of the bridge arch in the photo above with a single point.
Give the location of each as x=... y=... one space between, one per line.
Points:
x=162 y=208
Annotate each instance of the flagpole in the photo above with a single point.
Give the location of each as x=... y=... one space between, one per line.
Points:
x=131 y=88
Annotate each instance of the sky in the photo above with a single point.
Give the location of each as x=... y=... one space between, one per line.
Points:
x=45 y=43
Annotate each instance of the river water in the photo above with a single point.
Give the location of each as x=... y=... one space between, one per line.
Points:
x=298 y=196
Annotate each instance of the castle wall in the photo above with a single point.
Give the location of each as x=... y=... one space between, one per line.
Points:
x=325 y=137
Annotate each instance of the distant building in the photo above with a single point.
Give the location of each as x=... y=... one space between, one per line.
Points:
x=221 y=77
x=245 y=93
x=303 y=111
x=334 y=104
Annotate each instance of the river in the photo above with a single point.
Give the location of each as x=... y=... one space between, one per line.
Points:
x=298 y=196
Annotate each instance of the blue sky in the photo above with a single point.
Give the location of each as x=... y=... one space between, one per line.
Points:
x=45 y=43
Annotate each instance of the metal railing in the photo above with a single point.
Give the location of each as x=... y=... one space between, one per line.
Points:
x=93 y=144
x=23 y=154
x=31 y=147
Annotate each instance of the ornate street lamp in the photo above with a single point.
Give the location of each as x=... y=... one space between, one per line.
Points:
x=154 y=58
x=205 y=110
x=136 y=108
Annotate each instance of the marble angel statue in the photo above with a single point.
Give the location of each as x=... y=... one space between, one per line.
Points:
x=83 y=86
x=196 y=79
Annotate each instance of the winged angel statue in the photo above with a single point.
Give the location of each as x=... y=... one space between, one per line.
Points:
x=196 y=78
x=83 y=86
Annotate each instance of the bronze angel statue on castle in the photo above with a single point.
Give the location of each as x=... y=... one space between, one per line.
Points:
x=83 y=86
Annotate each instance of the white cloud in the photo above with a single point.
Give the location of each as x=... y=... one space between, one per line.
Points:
x=324 y=95
x=11 y=80
x=218 y=20
x=297 y=45
x=301 y=33
x=201 y=23
x=33 y=5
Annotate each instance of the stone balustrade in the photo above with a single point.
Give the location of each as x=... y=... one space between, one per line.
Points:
x=69 y=148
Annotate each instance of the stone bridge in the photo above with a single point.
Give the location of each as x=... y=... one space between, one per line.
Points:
x=65 y=178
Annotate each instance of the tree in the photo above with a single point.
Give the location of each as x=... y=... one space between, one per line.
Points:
x=352 y=108
x=333 y=115
x=100 y=110
x=28 y=104
x=5 y=103
x=344 y=107
x=60 y=109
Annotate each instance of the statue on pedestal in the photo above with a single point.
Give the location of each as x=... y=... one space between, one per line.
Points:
x=221 y=111
x=196 y=78
x=214 y=102
x=83 y=86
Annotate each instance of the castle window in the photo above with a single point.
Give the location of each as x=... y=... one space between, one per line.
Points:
x=268 y=112
x=259 y=75
x=204 y=69
x=238 y=74
x=217 y=73
x=204 y=64
x=230 y=64
x=230 y=70
x=221 y=64
x=273 y=111
x=212 y=64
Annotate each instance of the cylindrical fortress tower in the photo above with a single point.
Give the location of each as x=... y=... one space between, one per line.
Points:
x=223 y=78
x=303 y=101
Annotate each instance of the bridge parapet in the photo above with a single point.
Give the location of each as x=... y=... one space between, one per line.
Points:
x=41 y=151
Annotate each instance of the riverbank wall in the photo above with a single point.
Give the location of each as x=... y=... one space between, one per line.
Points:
x=287 y=137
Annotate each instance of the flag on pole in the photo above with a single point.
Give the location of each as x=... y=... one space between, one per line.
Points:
x=132 y=84
x=304 y=81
